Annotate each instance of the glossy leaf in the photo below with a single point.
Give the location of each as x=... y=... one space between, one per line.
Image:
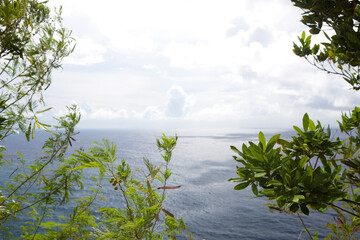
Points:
x=241 y=186
x=306 y=122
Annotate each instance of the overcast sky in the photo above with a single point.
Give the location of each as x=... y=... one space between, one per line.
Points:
x=191 y=64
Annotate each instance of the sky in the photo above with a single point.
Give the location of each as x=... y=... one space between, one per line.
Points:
x=169 y=64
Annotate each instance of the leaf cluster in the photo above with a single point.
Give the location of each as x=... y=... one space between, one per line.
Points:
x=339 y=22
x=292 y=174
x=311 y=170
x=33 y=43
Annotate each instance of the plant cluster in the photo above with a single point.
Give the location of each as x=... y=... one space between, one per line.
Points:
x=339 y=21
x=33 y=43
x=315 y=169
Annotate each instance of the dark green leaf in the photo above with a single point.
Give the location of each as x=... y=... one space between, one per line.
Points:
x=275 y=183
x=268 y=192
x=303 y=161
x=304 y=209
x=305 y=122
x=254 y=189
x=241 y=186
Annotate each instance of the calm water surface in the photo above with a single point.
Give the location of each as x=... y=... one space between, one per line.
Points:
x=202 y=163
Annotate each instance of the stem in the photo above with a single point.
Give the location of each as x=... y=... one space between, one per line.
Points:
x=317 y=160
x=29 y=178
x=350 y=201
x=342 y=209
x=322 y=68
x=42 y=218
x=127 y=203
x=54 y=154
x=47 y=198
x=304 y=226
x=129 y=208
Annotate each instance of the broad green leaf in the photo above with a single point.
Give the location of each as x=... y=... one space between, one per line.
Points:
x=298 y=130
x=258 y=169
x=311 y=125
x=262 y=140
x=236 y=179
x=241 y=186
x=314 y=31
x=326 y=165
x=296 y=198
x=268 y=192
x=275 y=183
x=270 y=146
x=305 y=122
x=258 y=175
x=235 y=149
x=256 y=152
x=282 y=142
x=254 y=189
x=315 y=49
x=304 y=209
x=294 y=207
x=274 y=138
x=303 y=161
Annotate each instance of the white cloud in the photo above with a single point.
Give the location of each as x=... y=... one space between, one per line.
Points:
x=237 y=25
x=262 y=36
x=234 y=57
x=100 y=113
x=178 y=102
x=87 y=52
x=152 y=113
x=108 y=114
x=217 y=112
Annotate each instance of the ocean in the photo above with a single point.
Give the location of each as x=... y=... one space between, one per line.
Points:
x=202 y=163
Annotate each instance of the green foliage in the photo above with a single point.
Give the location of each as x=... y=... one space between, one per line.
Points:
x=341 y=51
x=143 y=204
x=33 y=186
x=297 y=175
x=306 y=171
x=137 y=217
x=33 y=43
x=314 y=169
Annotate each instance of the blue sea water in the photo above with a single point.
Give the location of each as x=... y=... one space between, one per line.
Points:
x=202 y=163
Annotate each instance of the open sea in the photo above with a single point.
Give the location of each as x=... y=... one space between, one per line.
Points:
x=202 y=163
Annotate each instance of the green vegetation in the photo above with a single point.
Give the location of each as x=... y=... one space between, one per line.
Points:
x=314 y=169
x=33 y=43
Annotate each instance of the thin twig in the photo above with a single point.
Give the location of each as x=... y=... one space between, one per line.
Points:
x=350 y=201
x=129 y=208
x=342 y=209
x=304 y=226
x=42 y=218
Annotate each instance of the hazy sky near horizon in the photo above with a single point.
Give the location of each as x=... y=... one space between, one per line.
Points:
x=191 y=63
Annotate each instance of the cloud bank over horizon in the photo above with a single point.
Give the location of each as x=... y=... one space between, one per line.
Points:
x=191 y=64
